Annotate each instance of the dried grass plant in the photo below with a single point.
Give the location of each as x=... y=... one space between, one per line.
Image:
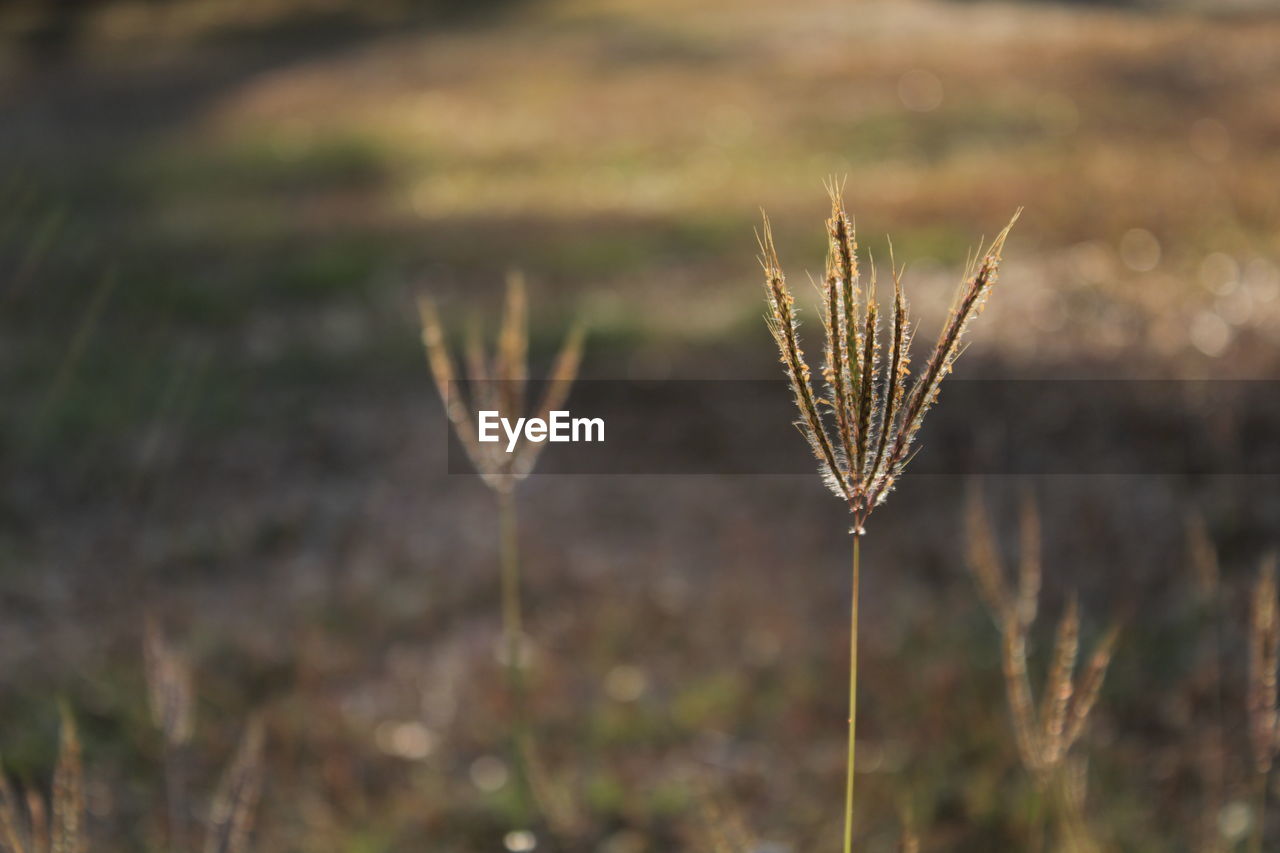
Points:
x=30 y=827
x=499 y=382
x=862 y=428
x=909 y=838
x=1202 y=557
x=1045 y=731
x=1264 y=715
x=235 y=801
x=170 y=694
x=720 y=827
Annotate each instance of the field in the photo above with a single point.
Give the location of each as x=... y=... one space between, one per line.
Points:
x=218 y=216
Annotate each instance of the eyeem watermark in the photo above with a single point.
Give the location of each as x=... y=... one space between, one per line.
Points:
x=559 y=426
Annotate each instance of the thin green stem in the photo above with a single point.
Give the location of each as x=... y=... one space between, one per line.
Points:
x=853 y=695
x=512 y=633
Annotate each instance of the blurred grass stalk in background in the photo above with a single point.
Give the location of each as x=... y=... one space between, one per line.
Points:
x=1044 y=734
x=499 y=383
x=1264 y=716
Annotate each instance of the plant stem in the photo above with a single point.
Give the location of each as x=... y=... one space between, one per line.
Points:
x=512 y=621
x=1218 y=748
x=174 y=799
x=853 y=695
x=512 y=634
x=1260 y=815
x=1038 y=823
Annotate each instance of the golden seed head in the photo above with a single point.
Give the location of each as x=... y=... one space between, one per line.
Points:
x=497 y=382
x=861 y=430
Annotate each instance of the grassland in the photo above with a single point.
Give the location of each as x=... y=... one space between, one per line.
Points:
x=215 y=224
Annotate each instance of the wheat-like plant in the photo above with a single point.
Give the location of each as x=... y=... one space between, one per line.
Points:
x=235 y=801
x=1045 y=731
x=861 y=430
x=499 y=382
x=34 y=829
x=170 y=693
x=27 y=826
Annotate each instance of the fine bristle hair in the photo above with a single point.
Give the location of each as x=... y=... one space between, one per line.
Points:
x=497 y=383
x=1044 y=733
x=875 y=410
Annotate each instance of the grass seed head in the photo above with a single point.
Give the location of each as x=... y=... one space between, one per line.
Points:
x=784 y=326
x=14 y=838
x=169 y=687
x=497 y=383
x=1060 y=686
x=231 y=813
x=1029 y=567
x=1044 y=734
x=865 y=442
x=1090 y=686
x=67 y=830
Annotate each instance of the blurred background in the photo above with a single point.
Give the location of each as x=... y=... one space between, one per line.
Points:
x=215 y=216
